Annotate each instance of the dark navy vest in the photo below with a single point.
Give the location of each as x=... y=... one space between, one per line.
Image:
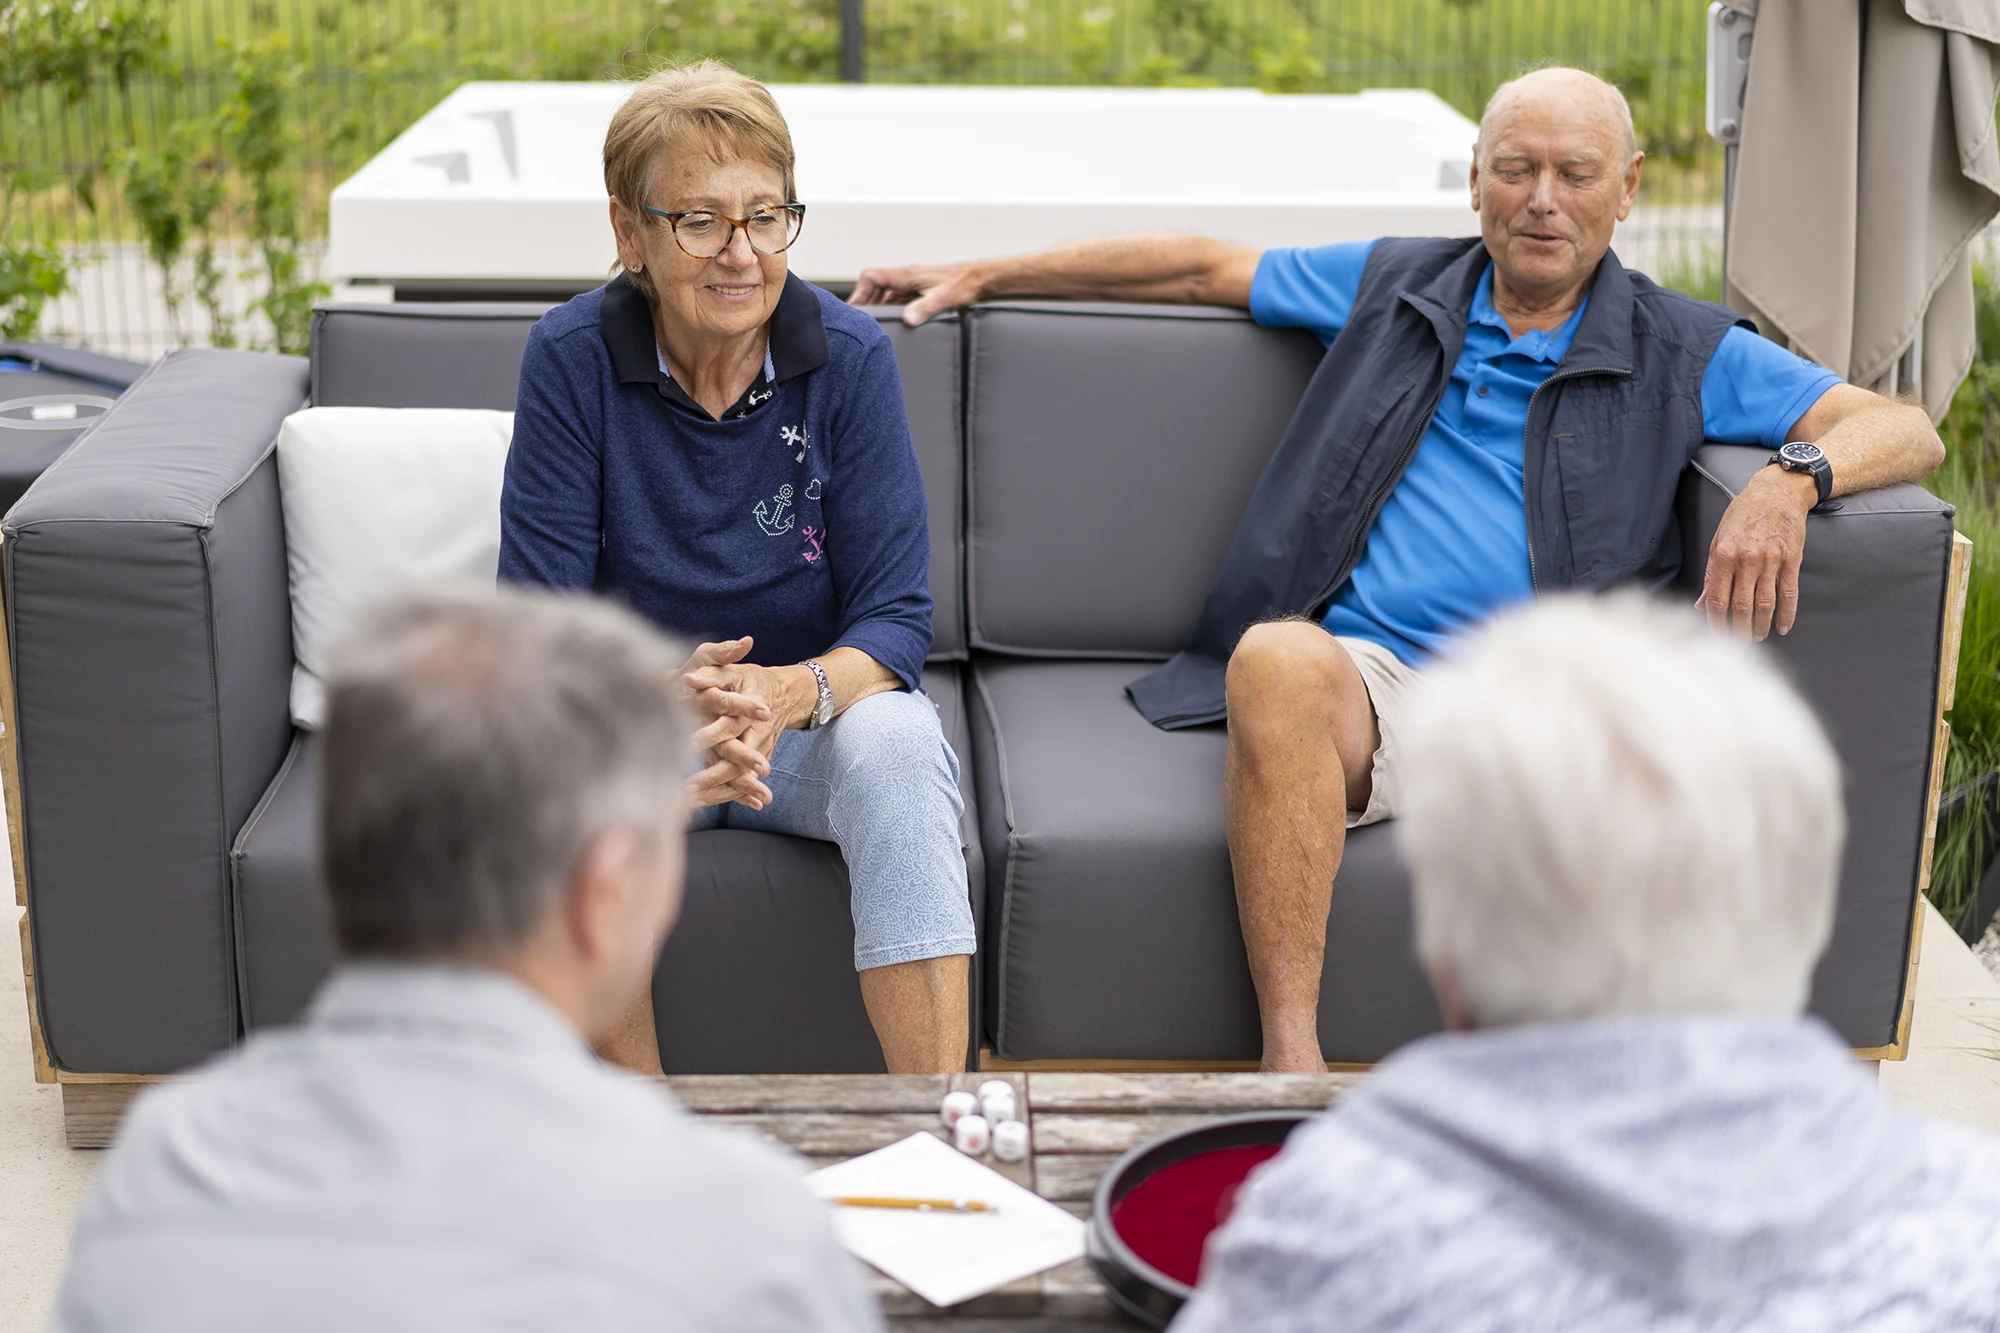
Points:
x=1608 y=435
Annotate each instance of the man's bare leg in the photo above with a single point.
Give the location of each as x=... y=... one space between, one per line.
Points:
x=1302 y=738
x=635 y=1042
x=920 y=1012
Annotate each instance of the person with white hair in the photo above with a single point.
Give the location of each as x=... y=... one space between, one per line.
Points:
x=1496 y=417
x=1624 y=833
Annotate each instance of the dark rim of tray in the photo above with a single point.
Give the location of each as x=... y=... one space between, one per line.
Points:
x=1137 y=1287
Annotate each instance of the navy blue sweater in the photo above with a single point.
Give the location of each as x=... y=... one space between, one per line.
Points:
x=798 y=518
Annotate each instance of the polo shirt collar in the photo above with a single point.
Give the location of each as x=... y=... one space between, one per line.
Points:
x=1603 y=337
x=1541 y=345
x=797 y=334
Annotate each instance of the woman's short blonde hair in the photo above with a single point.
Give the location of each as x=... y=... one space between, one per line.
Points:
x=705 y=107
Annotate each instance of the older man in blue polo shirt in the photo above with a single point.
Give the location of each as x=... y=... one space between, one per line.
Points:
x=1494 y=418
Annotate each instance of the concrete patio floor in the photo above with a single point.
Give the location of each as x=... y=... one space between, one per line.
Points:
x=1953 y=1073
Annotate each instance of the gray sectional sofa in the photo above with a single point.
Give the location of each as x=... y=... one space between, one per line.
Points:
x=1085 y=466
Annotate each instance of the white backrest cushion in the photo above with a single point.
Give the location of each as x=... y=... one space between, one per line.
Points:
x=377 y=499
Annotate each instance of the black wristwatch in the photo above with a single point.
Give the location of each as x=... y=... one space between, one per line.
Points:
x=1798 y=456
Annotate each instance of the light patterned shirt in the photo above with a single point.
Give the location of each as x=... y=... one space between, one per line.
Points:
x=437 y=1149
x=1698 y=1174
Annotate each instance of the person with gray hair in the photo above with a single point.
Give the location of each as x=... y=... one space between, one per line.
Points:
x=435 y=1147
x=1624 y=834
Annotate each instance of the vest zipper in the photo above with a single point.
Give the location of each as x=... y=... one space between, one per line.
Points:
x=1375 y=501
x=1534 y=575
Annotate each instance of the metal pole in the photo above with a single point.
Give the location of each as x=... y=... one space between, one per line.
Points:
x=1728 y=294
x=1729 y=40
x=853 y=44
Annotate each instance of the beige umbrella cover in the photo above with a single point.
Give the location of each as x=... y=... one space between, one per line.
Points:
x=1867 y=166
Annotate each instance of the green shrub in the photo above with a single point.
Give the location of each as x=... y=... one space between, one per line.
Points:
x=1970 y=481
x=30 y=277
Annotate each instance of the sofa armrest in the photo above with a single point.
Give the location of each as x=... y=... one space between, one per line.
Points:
x=149 y=623
x=1864 y=652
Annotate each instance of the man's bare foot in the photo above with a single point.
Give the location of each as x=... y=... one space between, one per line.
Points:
x=1308 y=1065
x=1294 y=1052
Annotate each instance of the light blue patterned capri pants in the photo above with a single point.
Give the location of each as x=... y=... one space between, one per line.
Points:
x=880 y=782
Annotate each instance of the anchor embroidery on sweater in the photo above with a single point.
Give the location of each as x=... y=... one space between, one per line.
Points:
x=815 y=543
x=776 y=522
x=796 y=437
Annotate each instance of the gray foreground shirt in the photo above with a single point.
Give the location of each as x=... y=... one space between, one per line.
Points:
x=435 y=1148
x=1694 y=1174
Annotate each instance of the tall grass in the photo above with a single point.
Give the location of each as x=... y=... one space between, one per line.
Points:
x=1970 y=480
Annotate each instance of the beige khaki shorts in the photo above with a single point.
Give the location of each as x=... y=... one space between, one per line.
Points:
x=1388 y=680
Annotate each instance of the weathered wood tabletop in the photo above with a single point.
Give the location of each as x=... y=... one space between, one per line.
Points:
x=1078 y=1125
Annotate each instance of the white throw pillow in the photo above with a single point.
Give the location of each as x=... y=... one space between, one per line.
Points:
x=377 y=499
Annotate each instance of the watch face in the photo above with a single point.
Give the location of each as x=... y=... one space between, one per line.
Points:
x=1798 y=452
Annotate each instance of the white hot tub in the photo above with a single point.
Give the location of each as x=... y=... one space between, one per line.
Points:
x=499 y=190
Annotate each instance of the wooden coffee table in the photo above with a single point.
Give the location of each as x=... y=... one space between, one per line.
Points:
x=1078 y=1122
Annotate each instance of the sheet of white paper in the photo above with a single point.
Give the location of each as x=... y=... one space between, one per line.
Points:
x=945 y=1257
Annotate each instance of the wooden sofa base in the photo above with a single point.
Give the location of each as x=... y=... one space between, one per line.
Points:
x=93 y=1111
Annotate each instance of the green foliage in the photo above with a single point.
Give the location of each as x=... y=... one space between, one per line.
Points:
x=174 y=193
x=948 y=42
x=68 y=47
x=1970 y=480
x=54 y=54
x=129 y=119
x=258 y=127
x=1293 y=70
x=30 y=277
x=1698 y=272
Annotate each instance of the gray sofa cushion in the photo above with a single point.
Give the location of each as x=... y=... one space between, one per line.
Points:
x=419 y=355
x=1111 y=916
x=151 y=631
x=928 y=359
x=1864 y=655
x=1112 y=449
x=758 y=977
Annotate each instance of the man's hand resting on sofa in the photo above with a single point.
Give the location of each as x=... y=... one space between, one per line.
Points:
x=1752 y=582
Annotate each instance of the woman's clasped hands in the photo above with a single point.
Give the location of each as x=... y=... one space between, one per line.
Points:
x=739 y=715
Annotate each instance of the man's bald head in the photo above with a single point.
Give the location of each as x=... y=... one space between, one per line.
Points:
x=1571 y=90
x=1556 y=168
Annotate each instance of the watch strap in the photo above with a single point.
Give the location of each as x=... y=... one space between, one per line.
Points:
x=1820 y=468
x=822 y=709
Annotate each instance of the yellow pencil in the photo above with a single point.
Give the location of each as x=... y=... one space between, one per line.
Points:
x=917 y=1205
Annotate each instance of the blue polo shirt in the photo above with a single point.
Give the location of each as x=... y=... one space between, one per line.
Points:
x=1450 y=546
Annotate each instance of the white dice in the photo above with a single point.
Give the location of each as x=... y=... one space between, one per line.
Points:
x=996 y=1100
x=1010 y=1141
x=972 y=1135
x=956 y=1106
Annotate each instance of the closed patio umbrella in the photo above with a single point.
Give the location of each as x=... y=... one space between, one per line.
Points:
x=1867 y=166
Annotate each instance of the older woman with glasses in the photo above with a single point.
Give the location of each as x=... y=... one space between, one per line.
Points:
x=723 y=447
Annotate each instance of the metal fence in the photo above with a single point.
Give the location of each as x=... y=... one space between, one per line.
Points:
x=165 y=164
